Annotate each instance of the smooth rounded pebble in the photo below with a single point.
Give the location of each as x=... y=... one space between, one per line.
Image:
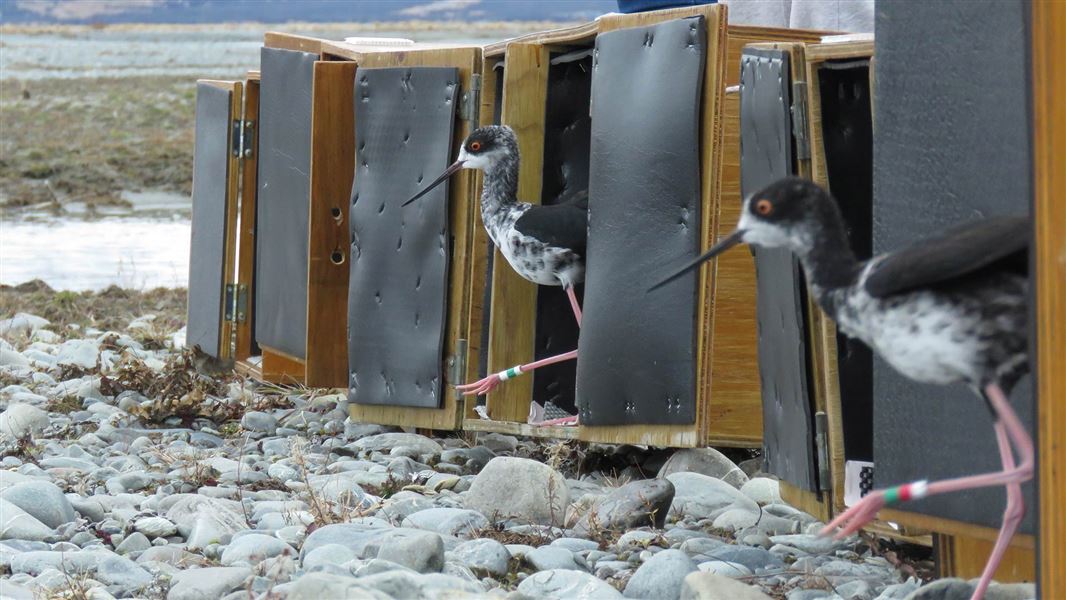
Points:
x=254 y=548
x=660 y=577
x=42 y=499
x=483 y=555
x=564 y=584
x=520 y=489
x=708 y=586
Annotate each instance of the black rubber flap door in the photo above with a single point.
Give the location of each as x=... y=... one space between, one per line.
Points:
x=208 y=249
x=766 y=156
x=397 y=294
x=637 y=351
x=284 y=202
x=952 y=145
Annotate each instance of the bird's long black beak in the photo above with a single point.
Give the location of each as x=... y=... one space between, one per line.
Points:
x=724 y=244
x=452 y=170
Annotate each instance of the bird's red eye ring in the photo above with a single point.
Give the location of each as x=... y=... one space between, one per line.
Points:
x=475 y=146
x=764 y=207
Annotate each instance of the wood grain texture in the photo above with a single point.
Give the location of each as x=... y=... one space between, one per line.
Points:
x=479 y=248
x=245 y=333
x=809 y=502
x=462 y=202
x=1048 y=32
x=735 y=395
x=730 y=354
x=743 y=35
x=233 y=182
x=577 y=34
x=917 y=523
x=512 y=323
x=965 y=557
x=332 y=168
x=290 y=41
x=279 y=367
x=826 y=376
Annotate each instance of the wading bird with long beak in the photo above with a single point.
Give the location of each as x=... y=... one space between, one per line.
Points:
x=944 y=310
x=543 y=244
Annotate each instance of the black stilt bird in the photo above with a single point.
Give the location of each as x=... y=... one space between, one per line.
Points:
x=945 y=310
x=544 y=244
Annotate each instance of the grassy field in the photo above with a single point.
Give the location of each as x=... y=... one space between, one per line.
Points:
x=72 y=132
x=111 y=309
x=88 y=139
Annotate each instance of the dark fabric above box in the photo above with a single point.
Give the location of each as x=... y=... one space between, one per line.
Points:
x=952 y=145
x=398 y=290
x=766 y=156
x=637 y=353
x=210 y=183
x=284 y=203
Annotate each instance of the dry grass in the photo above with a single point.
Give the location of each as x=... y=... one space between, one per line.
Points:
x=88 y=140
x=110 y=309
x=497 y=532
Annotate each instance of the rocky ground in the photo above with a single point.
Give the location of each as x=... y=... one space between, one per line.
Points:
x=126 y=473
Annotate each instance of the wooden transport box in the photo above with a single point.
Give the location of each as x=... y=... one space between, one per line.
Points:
x=408 y=301
x=299 y=189
x=819 y=97
x=281 y=299
x=532 y=84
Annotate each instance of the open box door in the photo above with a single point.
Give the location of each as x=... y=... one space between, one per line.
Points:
x=216 y=173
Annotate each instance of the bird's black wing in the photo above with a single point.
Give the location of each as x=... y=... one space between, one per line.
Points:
x=959 y=252
x=562 y=225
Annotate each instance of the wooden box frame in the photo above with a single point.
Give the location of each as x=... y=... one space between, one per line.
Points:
x=461 y=202
x=728 y=402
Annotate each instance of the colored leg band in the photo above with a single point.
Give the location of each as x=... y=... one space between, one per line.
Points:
x=907 y=492
x=510 y=373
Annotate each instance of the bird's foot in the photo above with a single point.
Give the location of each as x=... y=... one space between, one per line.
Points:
x=855 y=517
x=481 y=386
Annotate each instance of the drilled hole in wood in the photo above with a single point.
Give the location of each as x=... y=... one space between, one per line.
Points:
x=337 y=257
x=335 y=213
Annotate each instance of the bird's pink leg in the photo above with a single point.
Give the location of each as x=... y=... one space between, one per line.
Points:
x=573 y=303
x=486 y=385
x=1009 y=429
x=1015 y=511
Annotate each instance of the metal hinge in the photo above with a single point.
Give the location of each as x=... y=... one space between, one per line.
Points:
x=799 y=120
x=470 y=102
x=242 y=138
x=821 y=444
x=236 y=308
x=456 y=364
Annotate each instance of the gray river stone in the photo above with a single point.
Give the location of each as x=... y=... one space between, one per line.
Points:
x=706 y=461
x=207 y=584
x=42 y=499
x=520 y=489
x=660 y=578
x=484 y=555
x=565 y=584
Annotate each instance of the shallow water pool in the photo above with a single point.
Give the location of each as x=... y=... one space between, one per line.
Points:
x=77 y=254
